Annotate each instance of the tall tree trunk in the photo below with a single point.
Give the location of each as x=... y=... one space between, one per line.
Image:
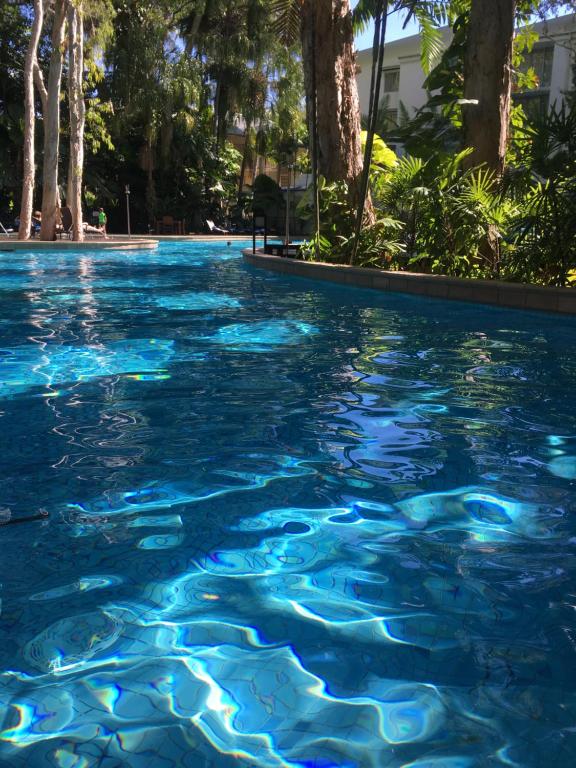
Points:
x=77 y=115
x=338 y=108
x=50 y=196
x=308 y=33
x=381 y=18
x=221 y=107
x=487 y=79
x=29 y=174
x=39 y=79
x=217 y=100
x=245 y=157
x=149 y=165
x=254 y=165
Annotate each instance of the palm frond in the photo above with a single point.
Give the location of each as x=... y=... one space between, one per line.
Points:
x=287 y=16
x=363 y=14
x=431 y=44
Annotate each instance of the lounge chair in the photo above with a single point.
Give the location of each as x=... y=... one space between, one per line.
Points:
x=168 y=225
x=4 y=230
x=91 y=230
x=214 y=230
x=65 y=229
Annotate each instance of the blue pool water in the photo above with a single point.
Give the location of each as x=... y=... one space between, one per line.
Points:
x=289 y=524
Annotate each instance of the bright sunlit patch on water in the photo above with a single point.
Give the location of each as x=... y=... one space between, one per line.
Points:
x=67 y=759
x=149 y=376
x=34 y=366
x=197 y=302
x=564 y=466
x=478 y=512
x=72 y=641
x=263 y=336
x=441 y=762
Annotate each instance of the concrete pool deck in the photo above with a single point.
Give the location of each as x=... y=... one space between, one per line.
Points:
x=510 y=295
x=113 y=243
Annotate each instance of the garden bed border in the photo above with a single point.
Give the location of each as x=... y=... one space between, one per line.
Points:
x=495 y=292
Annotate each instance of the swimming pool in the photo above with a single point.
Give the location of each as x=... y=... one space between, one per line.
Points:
x=284 y=523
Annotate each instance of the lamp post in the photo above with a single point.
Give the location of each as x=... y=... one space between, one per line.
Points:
x=287 y=237
x=127 y=191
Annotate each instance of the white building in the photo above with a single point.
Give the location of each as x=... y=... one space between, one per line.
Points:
x=403 y=78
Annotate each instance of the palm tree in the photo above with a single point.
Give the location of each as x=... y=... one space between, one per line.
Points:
x=232 y=37
x=327 y=35
x=155 y=86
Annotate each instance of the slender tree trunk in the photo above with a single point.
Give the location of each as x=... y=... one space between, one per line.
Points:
x=245 y=156
x=150 y=164
x=39 y=83
x=338 y=107
x=50 y=196
x=309 y=62
x=77 y=116
x=198 y=14
x=381 y=18
x=69 y=192
x=217 y=99
x=308 y=35
x=255 y=156
x=222 y=115
x=29 y=174
x=487 y=79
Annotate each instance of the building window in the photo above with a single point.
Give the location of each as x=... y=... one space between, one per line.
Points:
x=387 y=124
x=534 y=103
x=391 y=80
x=391 y=119
x=540 y=60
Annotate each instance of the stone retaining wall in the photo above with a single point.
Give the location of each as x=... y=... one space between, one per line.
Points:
x=514 y=295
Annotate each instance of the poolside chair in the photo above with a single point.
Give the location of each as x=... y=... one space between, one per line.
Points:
x=91 y=231
x=65 y=230
x=214 y=230
x=4 y=230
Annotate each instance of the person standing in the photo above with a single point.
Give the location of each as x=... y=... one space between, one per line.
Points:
x=102 y=222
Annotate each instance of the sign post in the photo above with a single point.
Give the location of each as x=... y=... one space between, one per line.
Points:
x=127 y=191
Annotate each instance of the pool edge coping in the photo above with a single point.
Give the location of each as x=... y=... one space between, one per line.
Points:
x=10 y=245
x=494 y=292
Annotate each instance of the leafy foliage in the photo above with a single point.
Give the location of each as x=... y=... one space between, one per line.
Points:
x=447 y=214
x=13 y=41
x=379 y=241
x=544 y=230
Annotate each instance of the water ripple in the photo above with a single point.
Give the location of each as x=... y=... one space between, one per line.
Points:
x=336 y=530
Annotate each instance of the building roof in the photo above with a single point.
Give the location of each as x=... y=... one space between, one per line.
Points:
x=558 y=26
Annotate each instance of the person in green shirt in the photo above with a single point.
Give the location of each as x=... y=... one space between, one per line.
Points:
x=102 y=222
